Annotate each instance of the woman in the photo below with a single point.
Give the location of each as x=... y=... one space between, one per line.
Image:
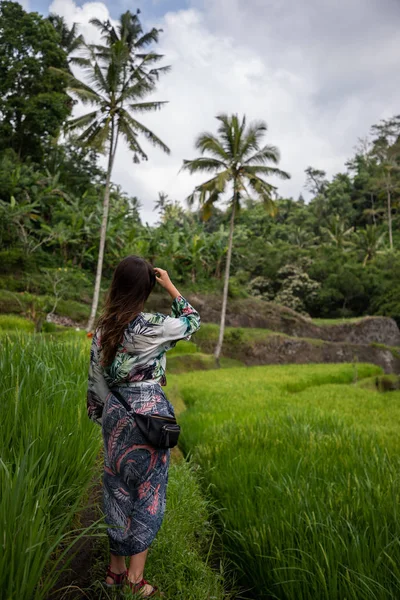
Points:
x=128 y=352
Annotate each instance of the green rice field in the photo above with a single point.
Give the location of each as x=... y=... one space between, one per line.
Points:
x=299 y=467
x=48 y=449
x=303 y=463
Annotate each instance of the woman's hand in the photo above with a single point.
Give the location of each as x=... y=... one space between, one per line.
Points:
x=163 y=279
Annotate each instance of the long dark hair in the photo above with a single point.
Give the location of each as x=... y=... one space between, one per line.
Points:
x=132 y=282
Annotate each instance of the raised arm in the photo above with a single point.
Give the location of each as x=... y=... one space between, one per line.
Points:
x=98 y=389
x=185 y=319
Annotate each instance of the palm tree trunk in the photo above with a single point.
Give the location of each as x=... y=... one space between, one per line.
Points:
x=103 y=231
x=389 y=211
x=218 y=348
x=373 y=209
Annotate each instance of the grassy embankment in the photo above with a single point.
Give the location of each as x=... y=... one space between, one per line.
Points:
x=304 y=466
x=48 y=458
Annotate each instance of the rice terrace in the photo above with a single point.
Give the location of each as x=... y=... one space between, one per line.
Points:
x=199 y=331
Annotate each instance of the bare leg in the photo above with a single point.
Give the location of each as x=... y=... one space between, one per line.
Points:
x=117 y=565
x=136 y=570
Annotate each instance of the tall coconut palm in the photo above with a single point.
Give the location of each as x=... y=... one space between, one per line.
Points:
x=387 y=183
x=238 y=159
x=70 y=40
x=115 y=90
x=386 y=149
x=129 y=30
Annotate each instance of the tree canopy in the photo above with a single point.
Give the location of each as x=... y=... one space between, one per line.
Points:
x=333 y=251
x=33 y=101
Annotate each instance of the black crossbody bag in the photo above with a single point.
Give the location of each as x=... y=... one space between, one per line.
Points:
x=159 y=430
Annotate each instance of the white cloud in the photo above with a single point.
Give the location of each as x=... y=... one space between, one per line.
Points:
x=318 y=90
x=82 y=15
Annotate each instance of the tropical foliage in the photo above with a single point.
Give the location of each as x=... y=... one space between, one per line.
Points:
x=334 y=255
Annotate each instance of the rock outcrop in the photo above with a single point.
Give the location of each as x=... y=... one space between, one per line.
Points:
x=251 y=312
x=276 y=349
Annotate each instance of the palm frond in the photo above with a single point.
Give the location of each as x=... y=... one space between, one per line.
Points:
x=264 y=170
x=84 y=92
x=203 y=164
x=155 y=73
x=96 y=135
x=86 y=95
x=264 y=191
x=252 y=138
x=208 y=205
x=151 y=75
x=82 y=121
x=135 y=90
x=106 y=29
x=226 y=132
x=238 y=131
x=147 y=106
x=98 y=78
x=80 y=61
x=139 y=127
x=209 y=192
x=132 y=141
x=222 y=179
x=149 y=57
x=98 y=50
x=267 y=154
x=97 y=23
x=190 y=200
x=148 y=38
x=75 y=42
x=207 y=142
x=270 y=206
x=211 y=184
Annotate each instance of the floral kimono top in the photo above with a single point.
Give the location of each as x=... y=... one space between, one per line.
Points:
x=141 y=353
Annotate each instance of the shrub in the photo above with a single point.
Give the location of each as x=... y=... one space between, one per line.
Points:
x=261 y=287
x=49 y=327
x=15 y=323
x=233 y=336
x=15 y=260
x=236 y=289
x=297 y=288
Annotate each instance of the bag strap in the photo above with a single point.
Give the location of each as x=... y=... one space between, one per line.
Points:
x=121 y=399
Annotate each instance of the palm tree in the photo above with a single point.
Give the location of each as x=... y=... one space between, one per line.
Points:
x=302 y=238
x=338 y=232
x=130 y=31
x=70 y=41
x=114 y=88
x=369 y=241
x=386 y=149
x=388 y=181
x=237 y=158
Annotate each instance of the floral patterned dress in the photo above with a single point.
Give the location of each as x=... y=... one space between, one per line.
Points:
x=135 y=473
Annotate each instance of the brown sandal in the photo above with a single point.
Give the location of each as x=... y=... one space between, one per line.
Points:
x=118 y=578
x=136 y=587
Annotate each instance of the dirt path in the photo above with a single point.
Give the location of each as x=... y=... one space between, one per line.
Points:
x=74 y=582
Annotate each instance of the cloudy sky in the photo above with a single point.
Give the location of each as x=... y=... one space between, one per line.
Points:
x=319 y=72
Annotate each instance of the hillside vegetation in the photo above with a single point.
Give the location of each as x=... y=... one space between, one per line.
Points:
x=333 y=256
